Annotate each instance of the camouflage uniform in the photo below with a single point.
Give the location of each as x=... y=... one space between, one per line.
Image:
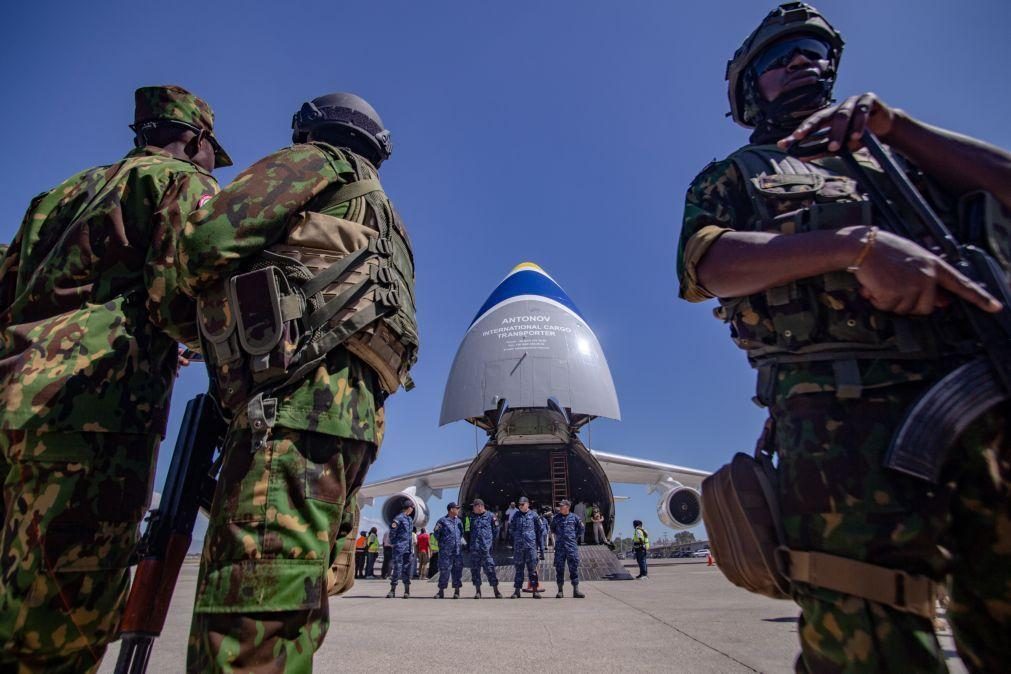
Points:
x=91 y=315
x=835 y=495
x=261 y=595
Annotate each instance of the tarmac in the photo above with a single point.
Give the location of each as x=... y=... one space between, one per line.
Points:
x=684 y=618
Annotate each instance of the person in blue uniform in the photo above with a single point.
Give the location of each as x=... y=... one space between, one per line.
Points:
x=402 y=541
x=483 y=531
x=525 y=529
x=449 y=532
x=568 y=529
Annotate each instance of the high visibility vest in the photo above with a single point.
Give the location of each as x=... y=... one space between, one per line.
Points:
x=641 y=538
x=433 y=544
x=360 y=543
x=373 y=543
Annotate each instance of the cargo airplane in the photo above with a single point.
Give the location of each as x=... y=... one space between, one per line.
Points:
x=531 y=374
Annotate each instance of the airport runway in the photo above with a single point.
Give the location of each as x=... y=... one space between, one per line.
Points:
x=685 y=618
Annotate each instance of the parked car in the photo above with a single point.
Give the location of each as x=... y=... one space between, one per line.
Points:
x=701 y=553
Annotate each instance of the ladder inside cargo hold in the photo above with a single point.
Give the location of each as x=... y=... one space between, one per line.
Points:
x=559 y=475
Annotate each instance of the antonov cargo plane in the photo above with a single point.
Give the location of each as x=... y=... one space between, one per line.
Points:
x=531 y=373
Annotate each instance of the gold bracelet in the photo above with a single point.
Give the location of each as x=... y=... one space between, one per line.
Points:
x=872 y=236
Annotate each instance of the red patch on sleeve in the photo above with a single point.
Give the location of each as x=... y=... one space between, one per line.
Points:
x=203 y=200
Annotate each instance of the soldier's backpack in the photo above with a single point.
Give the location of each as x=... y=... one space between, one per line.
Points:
x=740 y=507
x=332 y=282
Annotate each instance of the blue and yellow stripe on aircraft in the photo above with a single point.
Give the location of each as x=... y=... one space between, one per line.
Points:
x=526 y=279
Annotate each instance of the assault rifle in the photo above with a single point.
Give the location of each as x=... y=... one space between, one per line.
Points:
x=189 y=487
x=935 y=421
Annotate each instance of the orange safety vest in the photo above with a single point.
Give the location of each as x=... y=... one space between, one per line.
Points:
x=360 y=543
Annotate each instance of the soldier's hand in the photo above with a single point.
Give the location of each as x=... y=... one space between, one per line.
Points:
x=902 y=277
x=184 y=359
x=845 y=122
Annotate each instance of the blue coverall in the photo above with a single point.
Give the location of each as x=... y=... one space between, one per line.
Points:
x=568 y=529
x=400 y=538
x=483 y=531
x=525 y=528
x=449 y=532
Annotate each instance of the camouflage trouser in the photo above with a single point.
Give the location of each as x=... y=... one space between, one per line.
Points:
x=482 y=559
x=567 y=553
x=451 y=568
x=837 y=498
x=261 y=603
x=71 y=509
x=525 y=557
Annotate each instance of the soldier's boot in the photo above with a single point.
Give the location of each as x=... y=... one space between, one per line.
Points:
x=515 y=594
x=576 y=593
x=456 y=593
x=560 y=592
x=477 y=593
x=441 y=594
x=537 y=593
x=498 y=595
x=407 y=590
x=392 y=593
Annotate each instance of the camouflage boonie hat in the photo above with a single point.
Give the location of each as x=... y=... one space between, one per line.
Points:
x=174 y=104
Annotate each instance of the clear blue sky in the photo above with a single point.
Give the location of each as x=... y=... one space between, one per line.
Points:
x=564 y=133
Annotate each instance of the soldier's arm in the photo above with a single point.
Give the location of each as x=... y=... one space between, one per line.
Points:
x=252 y=212
x=895 y=274
x=960 y=163
x=168 y=308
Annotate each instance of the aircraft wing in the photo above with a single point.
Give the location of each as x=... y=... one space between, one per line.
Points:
x=440 y=477
x=630 y=470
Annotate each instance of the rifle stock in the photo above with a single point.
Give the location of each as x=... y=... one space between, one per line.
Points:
x=162 y=550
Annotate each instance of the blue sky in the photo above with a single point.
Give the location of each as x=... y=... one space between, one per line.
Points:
x=564 y=133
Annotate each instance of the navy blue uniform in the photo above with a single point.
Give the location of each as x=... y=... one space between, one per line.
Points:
x=525 y=529
x=568 y=529
x=400 y=538
x=483 y=530
x=449 y=532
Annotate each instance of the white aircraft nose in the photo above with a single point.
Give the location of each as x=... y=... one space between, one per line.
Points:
x=528 y=343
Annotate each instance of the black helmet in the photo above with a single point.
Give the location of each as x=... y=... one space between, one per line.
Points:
x=352 y=114
x=790 y=18
x=636 y=523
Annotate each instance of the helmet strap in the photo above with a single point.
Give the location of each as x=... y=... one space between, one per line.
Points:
x=778 y=118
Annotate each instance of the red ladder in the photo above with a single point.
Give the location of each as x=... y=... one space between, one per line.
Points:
x=559 y=475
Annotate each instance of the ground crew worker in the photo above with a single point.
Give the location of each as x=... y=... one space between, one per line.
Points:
x=449 y=532
x=371 y=552
x=400 y=541
x=433 y=562
x=599 y=537
x=360 y=543
x=424 y=553
x=484 y=530
x=90 y=320
x=305 y=281
x=525 y=529
x=568 y=529
x=545 y=528
x=847 y=326
x=640 y=545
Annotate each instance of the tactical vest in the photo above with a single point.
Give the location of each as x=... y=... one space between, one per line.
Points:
x=333 y=282
x=823 y=318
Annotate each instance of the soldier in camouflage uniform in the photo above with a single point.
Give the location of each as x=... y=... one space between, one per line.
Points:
x=91 y=316
x=847 y=325
x=302 y=375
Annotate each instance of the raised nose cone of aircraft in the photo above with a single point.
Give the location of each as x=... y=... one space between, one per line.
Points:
x=529 y=344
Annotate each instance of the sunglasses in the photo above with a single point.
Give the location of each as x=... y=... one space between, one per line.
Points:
x=780 y=54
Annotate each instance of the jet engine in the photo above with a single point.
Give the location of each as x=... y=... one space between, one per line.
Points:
x=395 y=504
x=680 y=507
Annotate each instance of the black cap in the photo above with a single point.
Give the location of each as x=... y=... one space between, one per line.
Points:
x=452 y=504
x=565 y=502
x=523 y=499
x=476 y=502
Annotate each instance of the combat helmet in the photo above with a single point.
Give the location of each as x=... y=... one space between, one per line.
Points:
x=788 y=19
x=352 y=114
